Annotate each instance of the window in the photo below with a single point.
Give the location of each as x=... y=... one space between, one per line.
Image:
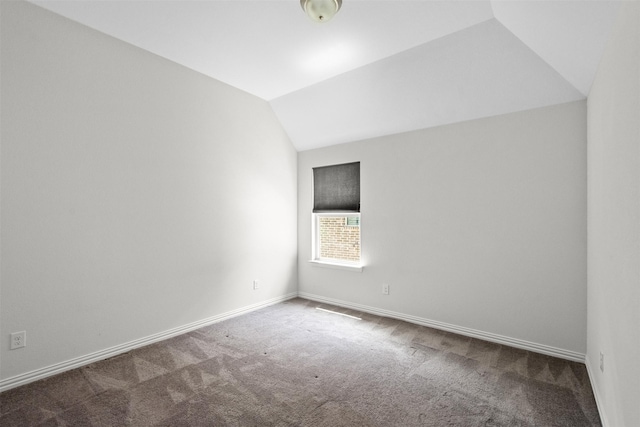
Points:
x=337 y=241
x=336 y=215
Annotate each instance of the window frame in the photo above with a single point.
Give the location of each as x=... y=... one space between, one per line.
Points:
x=315 y=242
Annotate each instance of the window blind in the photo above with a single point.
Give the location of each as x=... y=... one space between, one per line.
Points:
x=336 y=188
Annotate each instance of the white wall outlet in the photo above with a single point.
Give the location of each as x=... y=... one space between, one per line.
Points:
x=18 y=340
x=385 y=289
x=601 y=361
x=256 y=284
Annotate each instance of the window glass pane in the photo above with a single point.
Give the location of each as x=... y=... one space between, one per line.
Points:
x=337 y=240
x=353 y=221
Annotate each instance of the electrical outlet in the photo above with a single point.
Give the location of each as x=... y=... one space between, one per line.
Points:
x=18 y=339
x=385 y=289
x=601 y=361
x=256 y=284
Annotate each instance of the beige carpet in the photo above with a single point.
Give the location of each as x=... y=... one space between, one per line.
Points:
x=293 y=365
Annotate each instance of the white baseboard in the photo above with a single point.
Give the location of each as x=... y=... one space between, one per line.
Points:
x=474 y=333
x=57 y=368
x=77 y=362
x=599 y=402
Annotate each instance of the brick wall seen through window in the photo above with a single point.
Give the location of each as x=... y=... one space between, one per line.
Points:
x=339 y=240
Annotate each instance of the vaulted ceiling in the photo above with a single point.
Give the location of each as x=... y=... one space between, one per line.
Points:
x=377 y=68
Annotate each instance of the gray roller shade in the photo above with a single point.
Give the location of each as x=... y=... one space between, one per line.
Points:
x=336 y=188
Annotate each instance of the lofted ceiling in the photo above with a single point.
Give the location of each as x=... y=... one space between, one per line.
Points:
x=377 y=68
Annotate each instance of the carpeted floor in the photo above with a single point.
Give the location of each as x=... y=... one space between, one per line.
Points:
x=293 y=365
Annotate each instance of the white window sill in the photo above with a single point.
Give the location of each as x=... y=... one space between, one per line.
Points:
x=336 y=265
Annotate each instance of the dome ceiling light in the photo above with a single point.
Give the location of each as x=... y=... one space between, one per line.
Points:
x=321 y=10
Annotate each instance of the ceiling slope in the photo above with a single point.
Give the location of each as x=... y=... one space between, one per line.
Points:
x=569 y=35
x=379 y=67
x=478 y=72
x=270 y=48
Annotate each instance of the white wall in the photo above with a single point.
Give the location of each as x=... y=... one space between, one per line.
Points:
x=480 y=225
x=133 y=193
x=614 y=224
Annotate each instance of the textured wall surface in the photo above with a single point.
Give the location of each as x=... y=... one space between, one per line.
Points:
x=480 y=224
x=614 y=224
x=129 y=193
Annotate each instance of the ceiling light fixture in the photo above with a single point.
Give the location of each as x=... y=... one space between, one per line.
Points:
x=321 y=10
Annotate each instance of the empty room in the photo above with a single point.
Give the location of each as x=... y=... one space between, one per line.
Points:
x=319 y=213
